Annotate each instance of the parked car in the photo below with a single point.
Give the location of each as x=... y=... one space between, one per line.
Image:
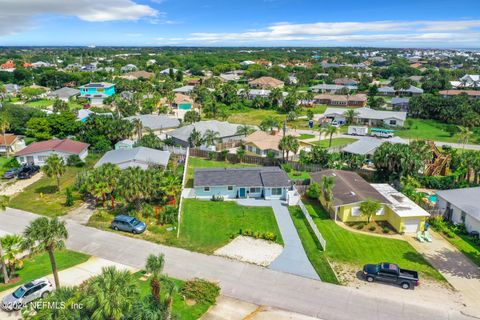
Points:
x=27 y=293
x=128 y=224
x=11 y=173
x=392 y=273
x=28 y=171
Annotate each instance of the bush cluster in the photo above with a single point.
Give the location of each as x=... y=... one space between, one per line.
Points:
x=202 y=291
x=269 y=236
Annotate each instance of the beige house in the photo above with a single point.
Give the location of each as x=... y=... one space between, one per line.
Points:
x=12 y=143
x=266 y=83
x=262 y=143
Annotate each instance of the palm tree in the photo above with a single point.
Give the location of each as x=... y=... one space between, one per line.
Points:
x=109 y=173
x=170 y=293
x=211 y=137
x=138 y=128
x=11 y=245
x=154 y=266
x=350 y=115
x=54 y=167
x=464 y=135
x=111 y=295
x=171 y=185
x=293 y=144
x=3 y=206
x=329 y=131
x=44 y=234
x=195 y=138
x=4 y=126
x=170 y=99
x=244 y=130
x=326 y=185
x=283 y=146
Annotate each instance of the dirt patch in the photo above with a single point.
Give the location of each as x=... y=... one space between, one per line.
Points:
x=247 y=249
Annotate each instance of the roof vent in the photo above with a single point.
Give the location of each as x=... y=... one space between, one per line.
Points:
x=353 y=193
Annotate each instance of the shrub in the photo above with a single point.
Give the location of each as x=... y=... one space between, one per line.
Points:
x=248 y=232
x=270 y=236
x=360 y=226
x=372 y=228
x=223 y=155
x=69 y=200
x=217 y=198
x=211 y=155
x=75 y=161
x=287 y=167
x=385 y=230
x=314 y=191
x=201 y=291
x=257 y=235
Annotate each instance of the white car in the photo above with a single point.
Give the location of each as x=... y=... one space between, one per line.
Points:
x=27 y=293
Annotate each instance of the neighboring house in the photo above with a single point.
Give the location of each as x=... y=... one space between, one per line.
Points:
x=167 y=71
x=234 y=76
x=227 y=131
x=331 y=88
x=65 y=94
x=12 y=89
x=238 y=183
x=184 y=89
x=12 y=143
x=38 y=152
x=129 y=68
x=262 y=143
x=346 y=82
x=390 y=91
x=126 y=144
x=386 y=91
x=136 y=157
x=469 y=81
x=253 y=93
x=246 y=63
x=357 y=100
x=401 y=103
x=159 y=124
x=350 y=190
x=135 y=75
x=474 y=94
x=461 y=206
x=98 y=91
x=366 y=146
x=84 y=114
x=266 y=83
x=180 y=101
x=368 y=116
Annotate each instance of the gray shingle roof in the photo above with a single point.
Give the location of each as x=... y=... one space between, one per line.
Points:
x=137 y=157
x=465 y=199
x=368 y=145
x=156 y=122
x=65 y=92
x=225 y=129
x=241 y=177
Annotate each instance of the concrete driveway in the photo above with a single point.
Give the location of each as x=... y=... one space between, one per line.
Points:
x=293 y=258
x=245 y=281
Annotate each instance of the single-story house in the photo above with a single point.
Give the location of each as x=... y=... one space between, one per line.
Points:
x=65 y=94
x=390 y=91
x=262 y=143
x=401 y=103
x=331 y=88
x=184 y=89
x=386 y=91
x=159 y=124
x=181 y=101
x=227 y=131
x=84 y=114
x=136 y=157
x=38 y=152
x=168 y=70
x=357 y=100
x=128 y=68
x=474 y=94
x=350 y=190
x=368 y=116
x=135 y=75
x=12 y=89
x=125 y=144
x=461 y=206
x=12 y=143
x=346 y=81
x=366 y=146
x=234 y=183
x=266 y=83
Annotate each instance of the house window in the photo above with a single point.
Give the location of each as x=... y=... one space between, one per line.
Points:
x=22 y=159
x=255 y=190
x=276 y=191
x=42 y=158
x=381 y=212
x=206 y=189
x=463 y=217
x=355 y=211
x=393 y=122
x=230 y=188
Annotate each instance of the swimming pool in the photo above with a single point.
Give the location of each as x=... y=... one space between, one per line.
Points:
x=432 y=198
x=185 y=106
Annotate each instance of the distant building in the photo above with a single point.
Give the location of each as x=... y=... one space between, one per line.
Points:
x=98 y=91
x=65 y=94
x=474 y=94
x=368 y=116
x=357 y=100
x=12 y=143
x=266 y=83
x=135 y=75
x=331 y=88
x=159 y=124
x=129 y=68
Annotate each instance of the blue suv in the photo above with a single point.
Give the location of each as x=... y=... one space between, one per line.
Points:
x=128 y=224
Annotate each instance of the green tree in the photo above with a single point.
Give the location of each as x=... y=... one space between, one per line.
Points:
x=44 y=234
x=464 y=136
x=350 y=115
x=244 y=130
x=154 y=265
x=326 y=185
x=369 y=208
x=329 y=131
x=39 y=128
x=3 y=206
x=4 y=126
x=54 y=167
x=11 y=245
x=210 y=137
x=191 y=116
x=195 y=138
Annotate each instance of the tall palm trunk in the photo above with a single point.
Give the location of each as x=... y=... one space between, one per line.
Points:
x=54 y=268
x=112 y=199
x=6 y=279
x=5 y=142
x=330 y=143
x=58 y=183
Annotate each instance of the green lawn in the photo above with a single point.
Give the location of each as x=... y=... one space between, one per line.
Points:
x=430 y=130
x=317 y=109
x=313 y=249
x=205 y=227
x=39 y=266
x=336 y=142
x=42 y=196
x=180 y=308
x=42 y=103
x=254 y=116
x=194 y=163
x=466 y=245
x=357 y=249
x=298 y=175
x=306 y=136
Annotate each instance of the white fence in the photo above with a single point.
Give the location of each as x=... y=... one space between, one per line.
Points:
x=175 y=149
x=181 y=196
x=312 y=224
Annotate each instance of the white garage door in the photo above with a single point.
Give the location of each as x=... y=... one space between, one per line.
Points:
x=411 y=226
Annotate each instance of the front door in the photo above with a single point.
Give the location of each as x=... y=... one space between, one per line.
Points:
x=30 y=160
x=242 y=193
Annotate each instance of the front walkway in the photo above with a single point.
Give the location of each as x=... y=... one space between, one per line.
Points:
x=459 y=271
x=293 y=258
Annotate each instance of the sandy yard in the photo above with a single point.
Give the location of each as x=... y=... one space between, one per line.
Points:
x=19 y=185
x=428 y=292
x=248 y=249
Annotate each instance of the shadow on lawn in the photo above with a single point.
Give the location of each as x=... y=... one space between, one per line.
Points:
x=47 y=189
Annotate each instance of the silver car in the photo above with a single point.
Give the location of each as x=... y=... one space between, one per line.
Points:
x=27 y=293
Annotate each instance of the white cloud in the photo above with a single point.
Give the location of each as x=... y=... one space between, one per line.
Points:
x=389 y=32
x=17 y=15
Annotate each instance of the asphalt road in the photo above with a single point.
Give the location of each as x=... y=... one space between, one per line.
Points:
x=243 y=281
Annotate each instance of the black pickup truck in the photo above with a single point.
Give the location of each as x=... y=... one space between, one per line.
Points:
x=392 y=273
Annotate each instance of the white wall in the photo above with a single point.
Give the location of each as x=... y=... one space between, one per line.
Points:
x=39 y=158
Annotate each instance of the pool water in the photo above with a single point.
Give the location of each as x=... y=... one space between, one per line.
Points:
x=432 y=198
x=185 y=106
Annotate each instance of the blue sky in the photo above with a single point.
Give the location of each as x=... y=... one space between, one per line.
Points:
x=402 y=23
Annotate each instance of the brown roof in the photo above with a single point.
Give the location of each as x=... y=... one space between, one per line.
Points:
x=9 y=138
x=267 y=82
x=267 y=141
x=67 y=146
x=349 y=187
x=333 y=97
x=474 y=93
